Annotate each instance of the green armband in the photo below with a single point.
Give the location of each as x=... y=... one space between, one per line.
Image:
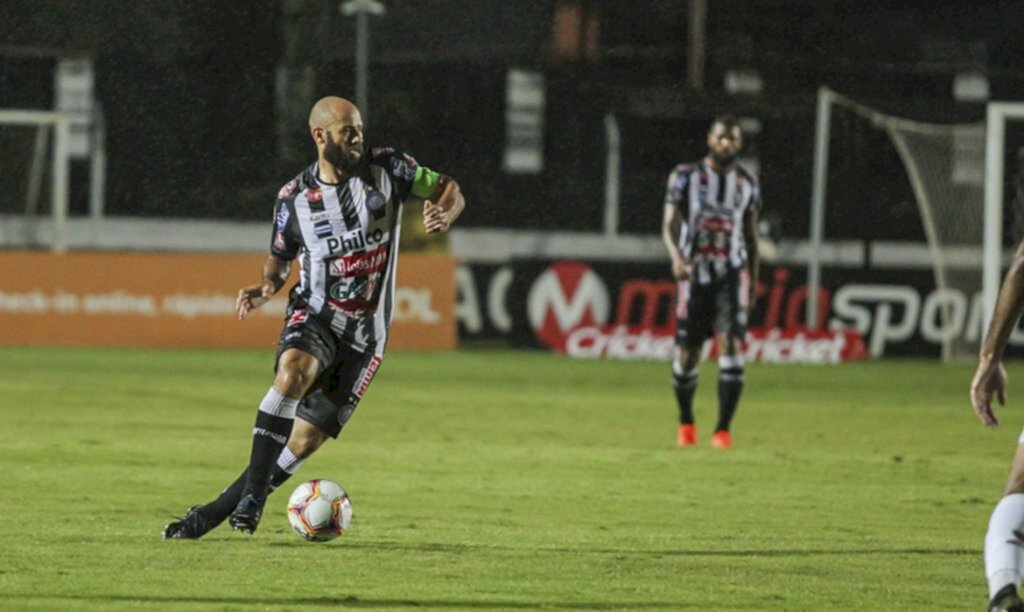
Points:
x=425 y=182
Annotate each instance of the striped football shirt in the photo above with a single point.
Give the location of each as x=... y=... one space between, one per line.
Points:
x=714 y=207
x=345 y=238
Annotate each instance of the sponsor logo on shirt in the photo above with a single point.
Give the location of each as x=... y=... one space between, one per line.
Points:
x=323 y=229
x=376 y=204
x=314 y=195
x=366 y=377
x=359 y=264
x=356 y=240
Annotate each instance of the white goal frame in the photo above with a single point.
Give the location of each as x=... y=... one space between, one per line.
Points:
x=995 y=163
x=59 y=164
x=998 y=113
x=59 y=123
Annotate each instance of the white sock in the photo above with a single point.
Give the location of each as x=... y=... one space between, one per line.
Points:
x=1002 y=546
x=276 y=404
x=288 y=462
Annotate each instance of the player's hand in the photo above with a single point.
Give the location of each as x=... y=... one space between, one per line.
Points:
x=435 y=218
x=681 y=269
x=989 y=380
x=252 y=297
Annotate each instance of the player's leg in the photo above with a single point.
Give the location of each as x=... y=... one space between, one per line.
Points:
x=302 y=335
x=1004 y=559
x=327 y=409
x=306 y=349
x=296 y=372
x=691 y=324
x=730 y=387
x=731 y=324
x=202 y=519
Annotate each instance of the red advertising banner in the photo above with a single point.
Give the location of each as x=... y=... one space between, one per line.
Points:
x=187 y=300
x=605 y=309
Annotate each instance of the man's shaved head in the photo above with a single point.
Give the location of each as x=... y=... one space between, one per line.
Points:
x=330 y=110
x=337 y=129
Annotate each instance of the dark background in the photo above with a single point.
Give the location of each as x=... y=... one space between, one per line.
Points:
x=205 y=102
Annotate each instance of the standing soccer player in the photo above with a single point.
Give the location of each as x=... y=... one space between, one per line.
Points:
x=1005 y=537
x=710 y=231
x=340 y=219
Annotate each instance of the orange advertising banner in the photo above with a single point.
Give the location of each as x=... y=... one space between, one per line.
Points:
x=188 y=300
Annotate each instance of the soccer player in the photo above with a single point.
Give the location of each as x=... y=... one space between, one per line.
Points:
x=710 y=231
x=340 y=219
x=1005 y=537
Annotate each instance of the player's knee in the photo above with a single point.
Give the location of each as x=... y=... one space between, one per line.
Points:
x=688 y=358
x=292 y=380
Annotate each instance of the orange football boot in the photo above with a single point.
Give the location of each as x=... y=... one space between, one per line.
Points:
x=687 y=435
x=721 y=439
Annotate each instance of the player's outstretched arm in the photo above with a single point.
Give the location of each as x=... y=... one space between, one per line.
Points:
x=990 y=377
x=443 y=206
x=275 y=273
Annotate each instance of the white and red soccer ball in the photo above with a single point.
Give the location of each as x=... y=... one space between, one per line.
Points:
x=319 y=510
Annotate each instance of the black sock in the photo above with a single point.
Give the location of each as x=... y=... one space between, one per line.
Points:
x=685 y=385
x=730 y=386
x=216 y=511
x=219 y=509
x=269 y=435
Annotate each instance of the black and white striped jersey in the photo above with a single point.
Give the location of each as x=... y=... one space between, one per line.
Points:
x=345 y=238
x=714 y=207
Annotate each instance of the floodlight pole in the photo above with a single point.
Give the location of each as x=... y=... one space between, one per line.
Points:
x=698 y=43
x=612 y=172
x=362 y=9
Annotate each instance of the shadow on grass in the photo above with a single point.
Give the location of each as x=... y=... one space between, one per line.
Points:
x=355 y=602
x=783 y=552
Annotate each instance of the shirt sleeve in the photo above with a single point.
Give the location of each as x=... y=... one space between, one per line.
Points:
x=286 y=239
x=408 y=176
x=676 y=190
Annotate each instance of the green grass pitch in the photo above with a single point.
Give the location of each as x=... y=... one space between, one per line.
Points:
x=503 y=480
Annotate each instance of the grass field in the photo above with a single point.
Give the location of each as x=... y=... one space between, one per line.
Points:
x=500 y=480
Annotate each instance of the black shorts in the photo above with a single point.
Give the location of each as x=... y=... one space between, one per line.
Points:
x=719 y=306
x=343 y=377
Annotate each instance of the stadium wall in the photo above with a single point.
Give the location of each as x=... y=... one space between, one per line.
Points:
x=187 y=300
x=615 y=298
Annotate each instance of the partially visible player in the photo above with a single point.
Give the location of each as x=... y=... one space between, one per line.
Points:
x=1005 y=538
x=339 y=218
x=710 y=230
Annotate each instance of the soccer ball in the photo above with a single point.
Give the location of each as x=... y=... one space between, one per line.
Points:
x=319 y=510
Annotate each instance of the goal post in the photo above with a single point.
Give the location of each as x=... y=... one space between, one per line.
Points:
x=956 y=174
x=995 y=165
x=58 y=123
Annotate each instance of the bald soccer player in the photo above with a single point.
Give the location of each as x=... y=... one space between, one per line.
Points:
x=340 y=219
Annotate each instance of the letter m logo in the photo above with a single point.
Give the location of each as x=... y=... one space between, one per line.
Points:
x=564 y=297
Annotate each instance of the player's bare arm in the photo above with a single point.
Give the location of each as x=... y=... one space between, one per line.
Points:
x=275 y=274
x=672 y=223
x=990 y=377
x=443 y=206
x=753 y=255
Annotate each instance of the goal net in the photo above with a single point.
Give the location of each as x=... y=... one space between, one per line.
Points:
x=945 y=167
